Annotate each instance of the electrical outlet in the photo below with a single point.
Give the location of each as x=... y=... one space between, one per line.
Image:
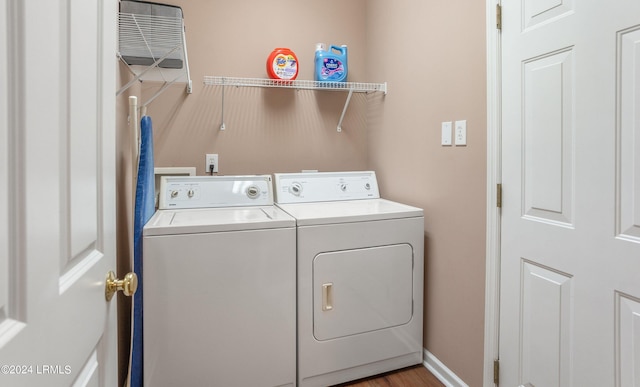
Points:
x=446 y=133
x=461 y=132
x=211 y=159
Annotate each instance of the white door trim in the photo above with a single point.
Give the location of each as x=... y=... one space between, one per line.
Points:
x=494 y=129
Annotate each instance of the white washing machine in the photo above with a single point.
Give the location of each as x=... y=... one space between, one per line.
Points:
x=360 y=276
x=219 y=276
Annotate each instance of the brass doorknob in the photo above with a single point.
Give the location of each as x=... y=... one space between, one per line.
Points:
x=128 y=285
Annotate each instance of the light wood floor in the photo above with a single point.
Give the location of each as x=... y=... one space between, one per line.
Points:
x=416 y=376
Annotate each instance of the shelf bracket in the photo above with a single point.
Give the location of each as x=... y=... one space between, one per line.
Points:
x=344 y=110
x=186 y=62
x=222 y=125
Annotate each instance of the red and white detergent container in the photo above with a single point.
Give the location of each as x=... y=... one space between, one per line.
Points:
x=282 y=64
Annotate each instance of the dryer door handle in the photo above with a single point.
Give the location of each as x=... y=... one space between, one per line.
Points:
x=327 y=296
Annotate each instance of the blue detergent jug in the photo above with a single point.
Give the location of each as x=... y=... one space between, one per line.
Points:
x=331 y=65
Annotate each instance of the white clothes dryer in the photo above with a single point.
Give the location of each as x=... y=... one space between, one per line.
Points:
x=219 y=275
x=360 y=276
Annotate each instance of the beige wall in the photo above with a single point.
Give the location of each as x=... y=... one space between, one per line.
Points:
x=431 y=53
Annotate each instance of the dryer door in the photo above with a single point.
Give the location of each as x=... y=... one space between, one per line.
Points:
x=362 y=290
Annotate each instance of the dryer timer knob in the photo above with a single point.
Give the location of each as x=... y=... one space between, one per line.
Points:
x=295 y=189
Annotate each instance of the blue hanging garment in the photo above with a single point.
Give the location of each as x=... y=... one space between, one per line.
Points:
x=144 y=209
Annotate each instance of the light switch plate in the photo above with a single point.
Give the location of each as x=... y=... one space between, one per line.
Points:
x=446 y=133
x=461 y=132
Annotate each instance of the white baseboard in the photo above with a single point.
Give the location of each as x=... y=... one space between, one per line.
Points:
x=444 y=374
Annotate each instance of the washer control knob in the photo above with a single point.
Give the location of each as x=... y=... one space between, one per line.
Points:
x=295 y=189
x=190 y=193
x=343 y=187
x=367 y=186
x=253 y=192
x=174 y=194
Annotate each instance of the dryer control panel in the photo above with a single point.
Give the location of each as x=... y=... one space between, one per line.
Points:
x=215 y=191
x=325 y=186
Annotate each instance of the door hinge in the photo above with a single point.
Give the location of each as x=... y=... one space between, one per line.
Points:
x=499 y=17
x=499 y=195
x=496 y=372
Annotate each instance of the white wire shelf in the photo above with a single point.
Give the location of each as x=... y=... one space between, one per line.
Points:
x=351 y=87
x=356 y=87
x=150 y=36
x=154 y=49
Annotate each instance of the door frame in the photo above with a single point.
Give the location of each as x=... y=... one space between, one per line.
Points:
x=494 y=177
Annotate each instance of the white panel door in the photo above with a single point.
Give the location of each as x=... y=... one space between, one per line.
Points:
x=570 y=254
x=57 y=205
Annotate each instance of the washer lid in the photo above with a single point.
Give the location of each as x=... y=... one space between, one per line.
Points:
x=202 y=220
x=349 y=211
